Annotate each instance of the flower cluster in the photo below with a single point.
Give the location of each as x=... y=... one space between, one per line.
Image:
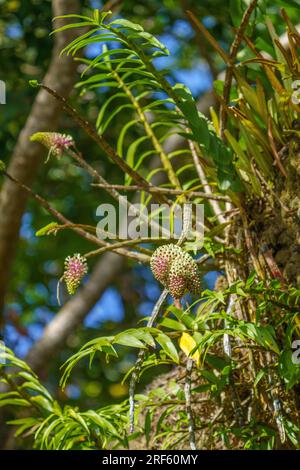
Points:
x=55 y=142
x=176 y=270
x=75 y=269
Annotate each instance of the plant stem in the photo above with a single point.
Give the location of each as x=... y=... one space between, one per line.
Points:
x=171 y=192
x=21 y=392
x=88 y=236
x=155 y=142
x=140 y=360
x=91 y=131
x=189 y=411
x=208 y=192
x=112 y=190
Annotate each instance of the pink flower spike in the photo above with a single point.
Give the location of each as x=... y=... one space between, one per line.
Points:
x=75 y=269
x=55 y=142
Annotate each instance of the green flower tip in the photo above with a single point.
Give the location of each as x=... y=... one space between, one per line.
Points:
x=34 y=83
x=46 y=230
x=2 y=166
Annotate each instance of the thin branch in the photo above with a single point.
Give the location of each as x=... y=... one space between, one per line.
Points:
x=208 y=37
x=204 y=52
x=151 y=321
x=228 y=352
x=55 y=229
x=276 y=403
x=170 y=192
x=188 y=405
x=110 y=189
x=203 y=259
x=99 y=139
x=106 y=234
x=77 y=155
x=139 y=362
x=274 y=150
x=124 y=243
x=229 y=71
x=177 y=402
x=226 y=337
x=250 y=245
x=208 y=192
x=88 y=236
x=186 y=224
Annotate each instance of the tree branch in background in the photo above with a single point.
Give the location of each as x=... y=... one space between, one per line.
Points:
x=27 y=156
x=76 y=228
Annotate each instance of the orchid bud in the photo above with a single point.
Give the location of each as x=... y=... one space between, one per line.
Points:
x=55 y=142
x=75 y=269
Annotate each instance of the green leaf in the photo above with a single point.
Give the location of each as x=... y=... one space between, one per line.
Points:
x=162 y=417
x=184 y=317
x=289 y=371
x=100 y=421
x=99 y=123
x=210 y=376
x=33 y=384
x=259 y=376
x=131 y=154
x=236 y=11
x=43 y=402
x=24 y=424
x=147 y=427
x=79 y=419
x=128 y=338
x=14 y=402
x=168 y=346
x=122 y=134
x=145 y=336
x=127 y=24
x=153 y=41
x=293 y=432
x=188 y=107
x=172 y=324
x=2 y=166
x=263 y=335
